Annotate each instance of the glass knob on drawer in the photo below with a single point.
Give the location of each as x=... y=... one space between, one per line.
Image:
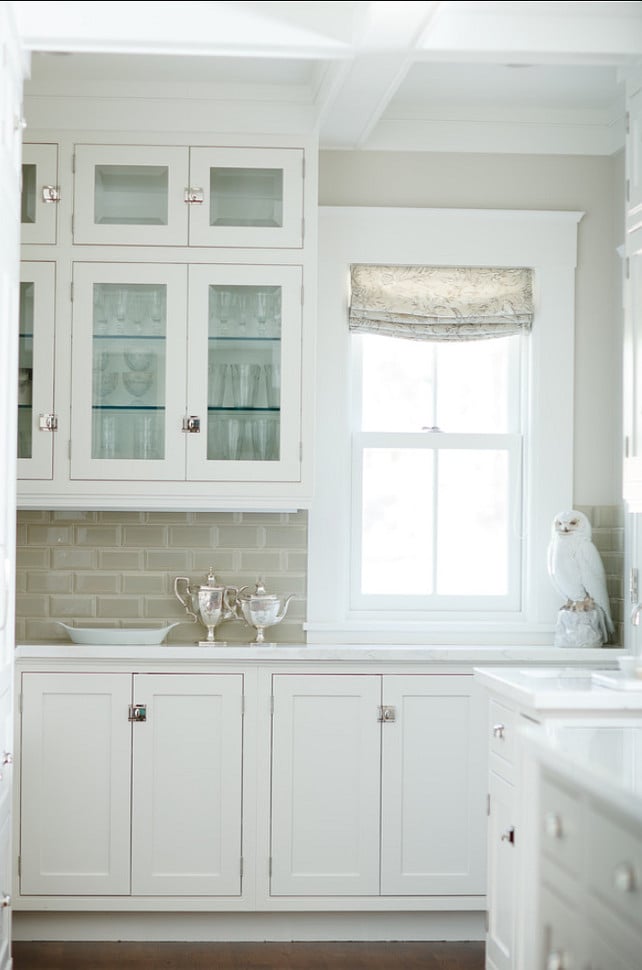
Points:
x=624 y=878
x=6 y=901
x=553 y=825
x=499 y=731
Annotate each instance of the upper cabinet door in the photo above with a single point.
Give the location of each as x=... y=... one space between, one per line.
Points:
x=244 y=373
x=128 y=371
x=40 y=194
x=130 y=195
x=35 y=370
x=250 y=197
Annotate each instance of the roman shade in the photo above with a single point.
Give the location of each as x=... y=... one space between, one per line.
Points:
x=441 y=302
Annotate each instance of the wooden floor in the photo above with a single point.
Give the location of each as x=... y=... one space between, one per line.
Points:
x=248 y=956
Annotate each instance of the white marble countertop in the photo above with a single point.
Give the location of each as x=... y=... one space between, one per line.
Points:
x=336 y=653
x=558 y=690
x=603 y=759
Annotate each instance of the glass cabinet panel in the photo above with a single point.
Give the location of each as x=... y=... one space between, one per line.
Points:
x=130 y=195
x=128 y=370
x=35 y=369
x=244 y=382
x=38 y=205
x=251 y=197
x=127 y=408
x=249 y=319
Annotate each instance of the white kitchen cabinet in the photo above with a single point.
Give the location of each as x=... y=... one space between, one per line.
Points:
x=153 y=195
x=187 y=785
x=377 y=786
x=40 y=194
x=76 y=764
x=502 y=874
x=195 y=373
x=36 y=343
x=140 y=800
x=325 y=785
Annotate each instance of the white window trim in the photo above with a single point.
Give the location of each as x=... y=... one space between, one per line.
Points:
x=546 y=241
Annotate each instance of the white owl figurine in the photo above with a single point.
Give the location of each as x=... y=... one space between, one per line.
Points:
x=577 y=572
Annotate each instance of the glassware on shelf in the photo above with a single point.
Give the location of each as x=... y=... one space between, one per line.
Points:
x=217 y=384
x=272 y=375
x=264 y=438
x=105 y=445
x=138 y=360
x=105 y=383
x=146 y=442
x=137 y=383
x=245 y=384
x=235 y=436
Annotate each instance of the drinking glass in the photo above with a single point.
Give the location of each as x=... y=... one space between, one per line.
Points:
x=245 y=384
x=217 y=384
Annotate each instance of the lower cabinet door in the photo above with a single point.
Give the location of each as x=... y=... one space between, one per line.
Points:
x=325 y=785
x=502 y=874
x=433 y=794
x=187 y=785
x=75 y=794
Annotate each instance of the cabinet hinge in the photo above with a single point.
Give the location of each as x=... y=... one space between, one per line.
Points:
x=302 y=229
x=69 y=449
x=488 y=803
x=627 y=267
x=486 y=921
x=628 y=190
x=20 y=703
x=302 y=294
x=71 y=291
x=270 y=866
x=627 y=118
x=241 y=868
x=73 y=163
x=626 y=446
x=300 y=451
x=303 y=167
x=72 y=225
x=271 y=705
x=242 y=705
x=19 y=865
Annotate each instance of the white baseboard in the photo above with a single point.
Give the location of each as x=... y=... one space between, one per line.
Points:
x=248 y=927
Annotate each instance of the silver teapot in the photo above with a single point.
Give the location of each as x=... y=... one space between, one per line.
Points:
x=209 y=602
x=261 y=609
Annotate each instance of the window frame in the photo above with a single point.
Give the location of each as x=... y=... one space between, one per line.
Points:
x=545 y=241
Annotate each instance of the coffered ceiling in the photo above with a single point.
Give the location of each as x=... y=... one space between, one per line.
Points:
x=421 y=76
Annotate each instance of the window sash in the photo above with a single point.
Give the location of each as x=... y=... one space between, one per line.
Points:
x=429 y=606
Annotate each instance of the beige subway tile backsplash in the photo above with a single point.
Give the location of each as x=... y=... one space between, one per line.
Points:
x=119 y=567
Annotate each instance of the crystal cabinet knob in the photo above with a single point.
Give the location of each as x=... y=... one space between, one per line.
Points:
x=553 y=825
x=624 y=878
x=499 y=731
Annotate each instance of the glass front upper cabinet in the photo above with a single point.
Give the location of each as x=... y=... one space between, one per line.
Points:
x=245 y=389
x=150 y=195
x=40 y=194
x=251 y=197
x=36 y=416
x=128 y=366
x=126 y=195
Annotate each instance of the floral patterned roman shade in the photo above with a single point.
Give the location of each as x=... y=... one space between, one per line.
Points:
x=441 y=302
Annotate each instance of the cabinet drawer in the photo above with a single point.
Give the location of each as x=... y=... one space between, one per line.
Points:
x=561 y=826
x=615 y=865
x=501 y=729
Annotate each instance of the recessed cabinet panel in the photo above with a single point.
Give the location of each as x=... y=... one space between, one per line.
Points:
x=126 y=195
x=502 y=874
x=38 y=203
x=433 y=812
x=325 y=778
x=35 y=370
x=186 y=822
x=75 y=784
x=128 y=369
x=247 y=384
x=251 y=197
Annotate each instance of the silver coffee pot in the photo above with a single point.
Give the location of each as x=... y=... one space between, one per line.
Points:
x=261 y=609
x=210 y=602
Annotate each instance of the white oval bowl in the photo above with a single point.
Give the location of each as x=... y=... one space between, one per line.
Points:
x=105 y=636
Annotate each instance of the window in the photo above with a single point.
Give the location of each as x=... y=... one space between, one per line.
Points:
x=389 y=496
x=436 y=474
